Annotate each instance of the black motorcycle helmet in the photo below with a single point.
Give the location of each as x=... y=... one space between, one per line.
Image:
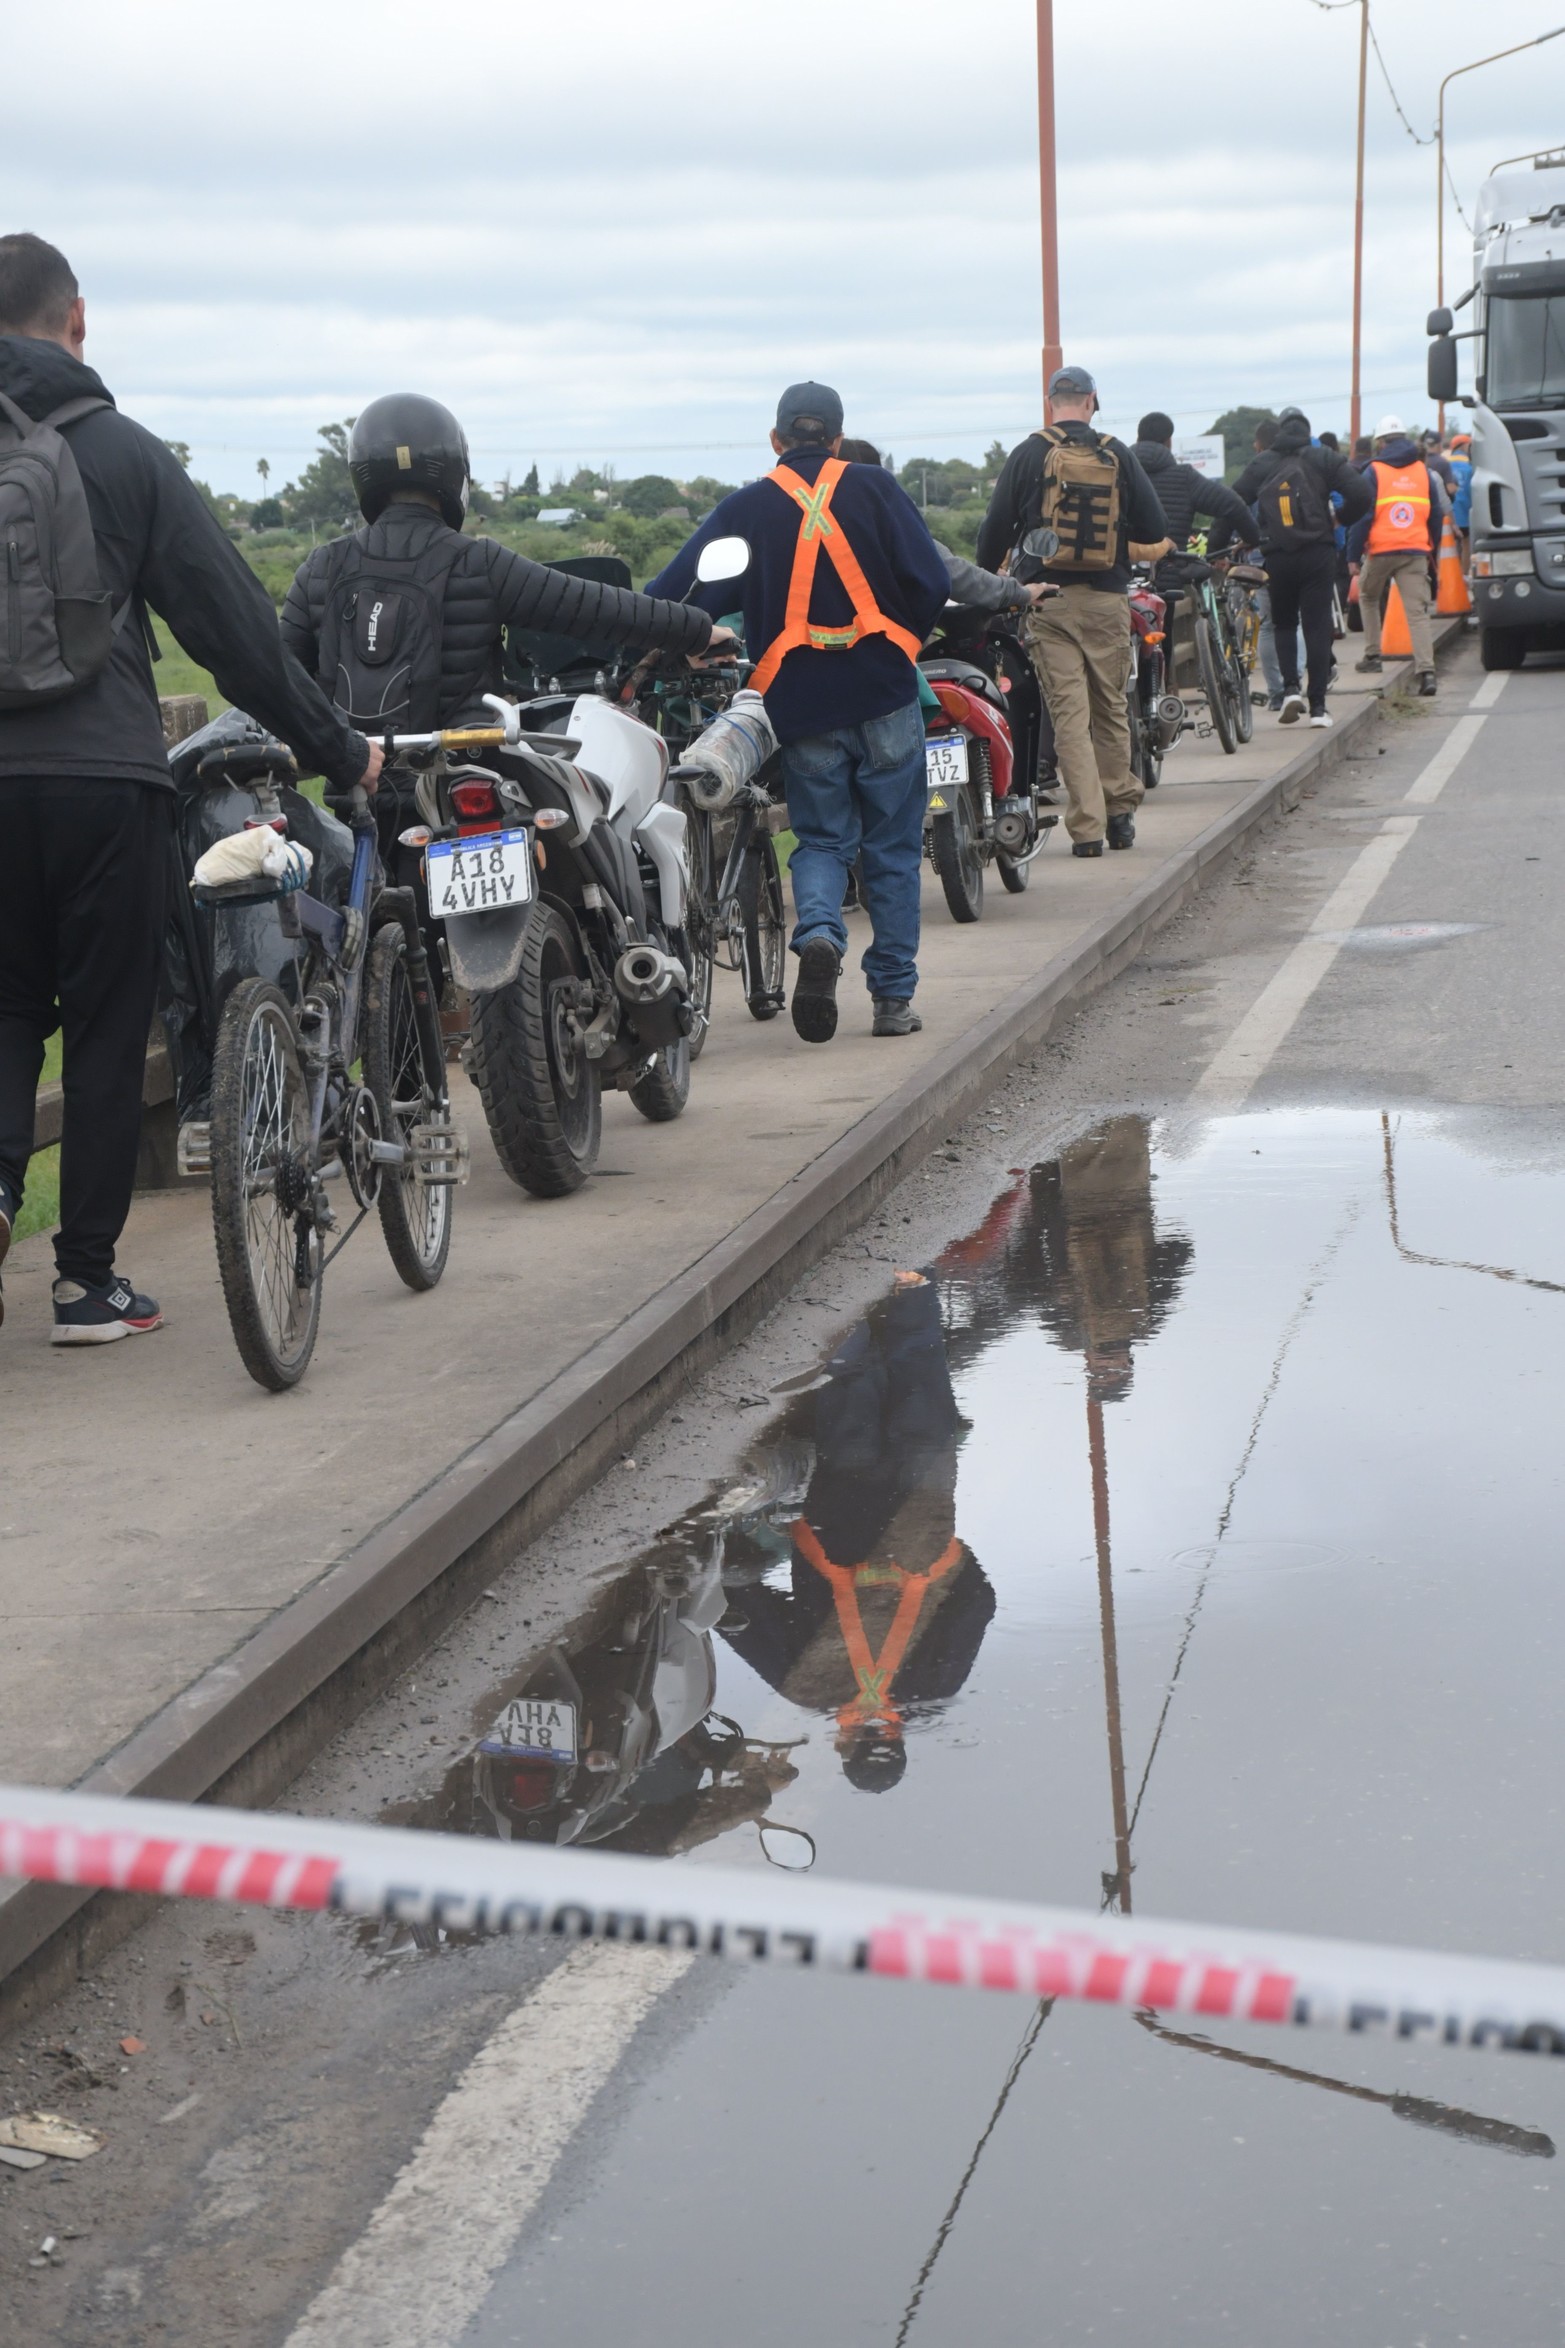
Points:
x=405 y=441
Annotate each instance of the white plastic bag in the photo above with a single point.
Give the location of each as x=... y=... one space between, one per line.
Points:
x=258 y=853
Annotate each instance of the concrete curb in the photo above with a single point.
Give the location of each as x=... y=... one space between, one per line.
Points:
x=247 y=1726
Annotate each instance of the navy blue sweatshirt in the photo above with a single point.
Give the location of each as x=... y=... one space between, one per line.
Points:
x=815 y=692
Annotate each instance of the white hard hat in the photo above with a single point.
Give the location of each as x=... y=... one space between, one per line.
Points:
x=1390 y=428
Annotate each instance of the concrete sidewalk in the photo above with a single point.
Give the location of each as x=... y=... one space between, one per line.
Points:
x=161 y=1518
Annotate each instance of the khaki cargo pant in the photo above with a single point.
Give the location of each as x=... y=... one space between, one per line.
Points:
x=1410 y=569
x=1080 y=646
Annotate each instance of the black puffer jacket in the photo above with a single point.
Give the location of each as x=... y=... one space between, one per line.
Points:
x=156 y=539
x=1183 y=493
x=491 y=589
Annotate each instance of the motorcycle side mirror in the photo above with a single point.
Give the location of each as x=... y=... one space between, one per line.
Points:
x=722 y=558
x=1042 y=545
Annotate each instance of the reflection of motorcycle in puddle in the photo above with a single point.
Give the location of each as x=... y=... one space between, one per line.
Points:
x=885 y=1608
x=618 y=1741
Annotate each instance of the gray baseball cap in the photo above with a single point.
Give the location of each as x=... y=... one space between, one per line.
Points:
x=1074 y=382
x=810 y=399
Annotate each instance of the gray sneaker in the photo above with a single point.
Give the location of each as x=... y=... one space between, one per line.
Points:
x=893 y=1018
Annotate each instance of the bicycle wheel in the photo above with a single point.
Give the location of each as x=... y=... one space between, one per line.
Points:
x=1146 y=759
x=662 y=1089
x=268 y=1248
x=542 y=1096
x=1215 y=684
x=763 y=928
x=1238 y=683
x=700 y=917
x=415 y=1217
x=958 y=858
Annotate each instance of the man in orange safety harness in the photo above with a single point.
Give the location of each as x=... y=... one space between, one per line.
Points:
x=840 y=585
x=1396 y=543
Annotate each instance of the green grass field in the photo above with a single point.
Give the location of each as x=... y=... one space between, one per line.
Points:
x=41 y=1207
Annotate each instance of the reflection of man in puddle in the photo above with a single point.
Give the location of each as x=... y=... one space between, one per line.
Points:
x=886 y=1608
x=1110 y=1278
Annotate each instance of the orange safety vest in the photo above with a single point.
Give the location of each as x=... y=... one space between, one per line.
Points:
x=874 y=1673
x=819 y=530
x=1401 y=523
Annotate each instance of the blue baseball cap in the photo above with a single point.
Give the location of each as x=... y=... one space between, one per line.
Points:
x=1074 y=382
x=815 y=400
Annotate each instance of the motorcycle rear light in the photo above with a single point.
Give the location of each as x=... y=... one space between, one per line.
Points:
x=532 y=1785
x=549 y=819
x=473 y=800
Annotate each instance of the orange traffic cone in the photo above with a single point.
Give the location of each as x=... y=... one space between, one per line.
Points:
x=1452 y=596
x=1395 y=642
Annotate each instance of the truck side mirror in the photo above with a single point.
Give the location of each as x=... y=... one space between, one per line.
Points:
x=1442 y=368
x=1439 y=322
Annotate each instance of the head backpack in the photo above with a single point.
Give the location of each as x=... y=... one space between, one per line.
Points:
x=1080 y=501
x=382 y=631
x=57 y=623
x=1292 y=504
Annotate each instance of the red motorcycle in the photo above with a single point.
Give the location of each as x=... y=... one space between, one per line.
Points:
x=985 y=804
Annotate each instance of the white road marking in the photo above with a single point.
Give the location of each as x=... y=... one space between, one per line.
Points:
x=1488 y=691
x=1239 y=1064
x=424 y=2264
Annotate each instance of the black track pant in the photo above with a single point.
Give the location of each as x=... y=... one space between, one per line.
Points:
x=84 y=876
x=1301 y=582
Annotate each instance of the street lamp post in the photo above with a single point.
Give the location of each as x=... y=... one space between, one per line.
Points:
x=1048 y=197
x=1355 y=413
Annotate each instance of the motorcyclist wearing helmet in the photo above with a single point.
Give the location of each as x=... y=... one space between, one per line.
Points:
x=404 y=620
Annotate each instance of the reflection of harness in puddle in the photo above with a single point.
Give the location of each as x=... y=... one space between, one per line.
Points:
x=873 y=1674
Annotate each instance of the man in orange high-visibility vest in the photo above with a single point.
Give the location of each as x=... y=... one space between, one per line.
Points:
x=841 y=585
x=1395 y=543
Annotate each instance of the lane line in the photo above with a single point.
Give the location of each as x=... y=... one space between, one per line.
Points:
x=424 y=2264
x=1488 y=691
x=1239 y=1064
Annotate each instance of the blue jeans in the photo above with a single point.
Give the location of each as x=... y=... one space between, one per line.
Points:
x=855 y=793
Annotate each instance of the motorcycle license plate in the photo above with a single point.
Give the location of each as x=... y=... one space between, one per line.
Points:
x=946 y=760
x=481 y=874
x=536 y=1727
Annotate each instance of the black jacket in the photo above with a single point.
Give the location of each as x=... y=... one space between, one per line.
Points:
x=1183 y=493
x=1335 y=473
x=1016 y=503
x=491 y=589
x=157 y=538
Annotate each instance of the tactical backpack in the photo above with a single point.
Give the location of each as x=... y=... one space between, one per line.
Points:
x=381 y=634
x=57 y=622
x=1080 y=501
x=1292 y=505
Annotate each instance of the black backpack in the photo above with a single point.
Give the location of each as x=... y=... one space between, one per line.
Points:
x=1293 y=506
x=57 y=624
x=382 y=631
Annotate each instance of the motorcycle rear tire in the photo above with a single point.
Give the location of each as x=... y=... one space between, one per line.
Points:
x=763 y=928
x=661 y=1092
x=1146 y=759
x=958 y=858
x=1013 y=876
x=542 y=1097
x=1216 y=685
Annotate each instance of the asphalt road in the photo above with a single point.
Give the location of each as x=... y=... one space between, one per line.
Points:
x=1218 y=1434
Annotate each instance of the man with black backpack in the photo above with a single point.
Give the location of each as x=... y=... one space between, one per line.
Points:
x=1084 y=489
x=1290 y=487
x=403 y=622
x=97 y=518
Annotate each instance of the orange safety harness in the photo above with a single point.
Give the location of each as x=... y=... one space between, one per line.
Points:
x=873 y=1674
x=820 y=530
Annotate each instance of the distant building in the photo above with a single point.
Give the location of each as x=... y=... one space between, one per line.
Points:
x=560 y=517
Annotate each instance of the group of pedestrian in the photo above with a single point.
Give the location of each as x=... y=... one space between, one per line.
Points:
x=842 y=585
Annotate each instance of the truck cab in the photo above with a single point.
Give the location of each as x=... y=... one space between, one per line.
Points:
x=1518 y=406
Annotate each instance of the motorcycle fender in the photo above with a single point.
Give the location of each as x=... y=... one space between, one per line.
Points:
x=661 y=832
x=485 y=949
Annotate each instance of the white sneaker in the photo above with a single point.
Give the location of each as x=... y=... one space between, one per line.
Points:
x=1322 y=717
x=1294 y=706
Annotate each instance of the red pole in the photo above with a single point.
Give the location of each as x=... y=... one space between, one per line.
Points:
x=1355 y=415
x=1048 y=196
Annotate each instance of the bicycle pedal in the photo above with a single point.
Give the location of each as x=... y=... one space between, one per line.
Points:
x=440 y=1155
x=194 y=1156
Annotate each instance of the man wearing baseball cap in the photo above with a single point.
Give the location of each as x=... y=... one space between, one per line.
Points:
x=1086 y=491
x=839 y=588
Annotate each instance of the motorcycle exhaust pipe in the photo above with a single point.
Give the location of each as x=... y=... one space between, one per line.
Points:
x=644 y=975
x=1010 y=830
x=1170 y=720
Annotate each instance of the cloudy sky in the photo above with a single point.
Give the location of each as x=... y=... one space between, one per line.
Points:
x=611 y=232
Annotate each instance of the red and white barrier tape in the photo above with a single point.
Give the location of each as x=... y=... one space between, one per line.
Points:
x=193 y=1852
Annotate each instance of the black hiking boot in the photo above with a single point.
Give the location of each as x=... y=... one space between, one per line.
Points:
x=814 y=1005
x=1122 y=831
x=895 y=1018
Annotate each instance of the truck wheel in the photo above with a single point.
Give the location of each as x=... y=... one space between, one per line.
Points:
x=1502 y=648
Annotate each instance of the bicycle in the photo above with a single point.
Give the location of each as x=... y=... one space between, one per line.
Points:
x=340 y=1079
x=1220 y=659
x=741 y=915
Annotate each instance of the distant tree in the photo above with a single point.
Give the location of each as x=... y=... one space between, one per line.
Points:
x=584 y=481
x=267 y=514
x=181 y=449
x=323 y=494
x=706 y=492
x=265 y=471
x=530 y=485
x=995 y=455
x=651 y=494
x=1238 y=430
x=480 y=505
